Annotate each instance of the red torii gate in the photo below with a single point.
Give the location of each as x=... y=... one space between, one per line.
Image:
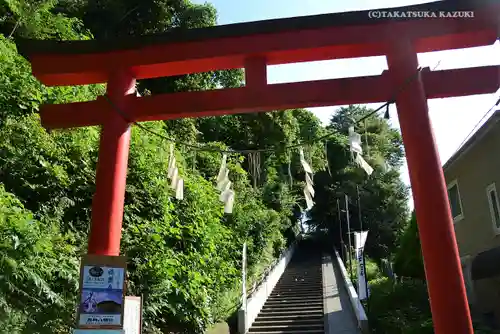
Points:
x=253 y=46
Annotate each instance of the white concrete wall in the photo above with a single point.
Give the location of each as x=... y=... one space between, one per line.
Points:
x=256 y=301
x=359 y=311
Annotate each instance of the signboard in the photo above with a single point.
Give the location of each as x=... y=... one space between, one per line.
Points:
x=360 y=239
x=362 y=285
x=359 y=244
x=102 y=292
x=132 y=322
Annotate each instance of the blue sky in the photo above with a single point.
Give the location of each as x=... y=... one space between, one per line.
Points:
x=452 y=118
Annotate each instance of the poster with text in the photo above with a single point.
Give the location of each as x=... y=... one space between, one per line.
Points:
x=102 y=284
x=101 y=307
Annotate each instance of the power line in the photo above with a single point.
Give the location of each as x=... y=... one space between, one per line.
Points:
x=393 y=100
x=477 y=124
x=206 y=148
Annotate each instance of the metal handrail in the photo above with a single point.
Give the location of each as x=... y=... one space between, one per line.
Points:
x=268 y=270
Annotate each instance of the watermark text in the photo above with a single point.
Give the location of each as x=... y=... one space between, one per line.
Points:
x=382 y=14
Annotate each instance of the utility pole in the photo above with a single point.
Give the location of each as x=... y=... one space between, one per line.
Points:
x=244 y=278
x=342 y=250
x=361 y=229
x=359 y=210
x=348 y=233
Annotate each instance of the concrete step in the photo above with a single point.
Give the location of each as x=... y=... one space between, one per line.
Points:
x=284 y=311
x=278 y=299
x=288 y=301
x=299 y=274
x=295 y=305
x=293 y=310
x=299 y=283
x=292 y=305
x=299 y=277
x=289 y=316
x=303 y=294
x=303 y=270
x=299 y=291
x=296 y=320
x=293 y=331
x=299 y=287
x=289 y=306
x=288 y=294
x=285 y=327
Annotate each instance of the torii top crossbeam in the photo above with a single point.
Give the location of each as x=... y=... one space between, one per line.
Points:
x=310 y=38
x=280 y=41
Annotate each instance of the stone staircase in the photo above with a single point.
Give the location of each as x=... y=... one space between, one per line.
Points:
x=296 y=303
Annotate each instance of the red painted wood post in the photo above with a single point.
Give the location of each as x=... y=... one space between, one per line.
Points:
x=107 y=204
x=255 y=72
x=450 y=310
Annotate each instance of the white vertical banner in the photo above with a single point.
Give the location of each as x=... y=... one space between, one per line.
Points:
x=359 y=244
x=244 y=278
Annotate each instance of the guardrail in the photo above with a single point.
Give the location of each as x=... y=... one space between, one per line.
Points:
x=357 y=307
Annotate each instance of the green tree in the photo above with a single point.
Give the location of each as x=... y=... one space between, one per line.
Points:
x=408 y=261
x=35 y=19
x=383 y=196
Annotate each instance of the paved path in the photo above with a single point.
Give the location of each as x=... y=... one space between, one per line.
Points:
x=339 y=316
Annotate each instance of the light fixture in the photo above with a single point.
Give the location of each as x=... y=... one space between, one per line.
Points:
x=386 y=114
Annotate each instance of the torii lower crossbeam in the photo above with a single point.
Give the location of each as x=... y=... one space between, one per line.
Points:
x=372 y=89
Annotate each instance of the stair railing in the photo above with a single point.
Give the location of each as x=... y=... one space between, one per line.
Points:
x=265 y=274
x=246 y=318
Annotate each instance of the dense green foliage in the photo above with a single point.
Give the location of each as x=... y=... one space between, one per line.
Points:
x=37 y=267
x=372 y=270
x=399 y=307
x=184 y=256
x=383 y=196
x=408 y=261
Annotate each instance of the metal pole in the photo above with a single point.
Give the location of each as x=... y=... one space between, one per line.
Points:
x=359 y=210
x=244 y=278
x=363 y=249
x=342 y=250
x=142 y=314
x=348 y=233
x=366 y=274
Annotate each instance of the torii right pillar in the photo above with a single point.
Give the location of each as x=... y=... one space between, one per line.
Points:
x=448 y=299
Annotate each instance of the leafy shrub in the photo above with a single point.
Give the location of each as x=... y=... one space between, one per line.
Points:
x=399 y=307
x=372 y=269
x=39 y=273
x=408 y=261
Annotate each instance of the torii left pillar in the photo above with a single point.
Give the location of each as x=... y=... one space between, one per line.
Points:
x=111 y=175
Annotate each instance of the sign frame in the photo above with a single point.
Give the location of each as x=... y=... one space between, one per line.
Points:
x=102 y=261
